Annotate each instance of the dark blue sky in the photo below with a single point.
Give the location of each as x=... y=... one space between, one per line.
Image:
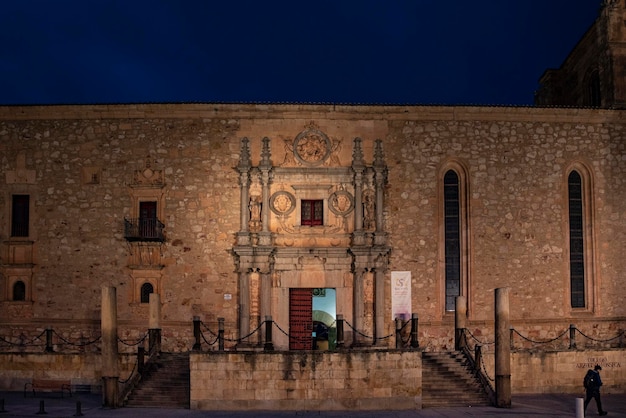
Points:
x=340 y=51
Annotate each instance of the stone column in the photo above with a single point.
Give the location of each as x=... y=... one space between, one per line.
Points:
x=110 y=367
x=358 y=306
x=380 y=170
x=503 y=349
x=460 y=322
x=266 y=294
x=243 y=237
x=265 y=166
x=154 y=323
x=244 y=304
x=379 y=303
x=358 y=166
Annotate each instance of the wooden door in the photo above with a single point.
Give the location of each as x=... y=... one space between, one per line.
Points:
x=148 y=219
x=300 y=319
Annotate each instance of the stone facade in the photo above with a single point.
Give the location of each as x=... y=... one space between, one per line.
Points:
x=593 y=73
x=87 y=168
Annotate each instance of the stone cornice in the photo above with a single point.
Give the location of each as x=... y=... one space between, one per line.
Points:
x=311 y=111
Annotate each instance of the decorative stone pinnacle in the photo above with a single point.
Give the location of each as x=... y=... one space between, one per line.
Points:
x=266 y=162
x=244 y=156
x=357 y=154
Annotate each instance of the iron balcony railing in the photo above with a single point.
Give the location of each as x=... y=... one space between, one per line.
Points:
x=144 y=229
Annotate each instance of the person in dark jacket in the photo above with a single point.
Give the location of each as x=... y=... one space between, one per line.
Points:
x=592 y=384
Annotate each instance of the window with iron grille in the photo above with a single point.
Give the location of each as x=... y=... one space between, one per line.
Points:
x=452 y=236
x=576 y=240
x=20 y=215
x=146 y=289
x=312 y=212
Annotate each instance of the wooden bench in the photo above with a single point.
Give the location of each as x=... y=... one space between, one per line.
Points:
x=48 y=386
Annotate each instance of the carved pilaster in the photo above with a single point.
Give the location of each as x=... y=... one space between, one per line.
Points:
x=358 y=166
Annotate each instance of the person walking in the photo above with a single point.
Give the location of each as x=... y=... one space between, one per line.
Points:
x=592 y=383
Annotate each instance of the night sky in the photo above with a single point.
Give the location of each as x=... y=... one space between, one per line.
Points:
x=341 y=51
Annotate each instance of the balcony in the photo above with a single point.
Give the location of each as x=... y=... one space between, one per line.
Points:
x=144 y=229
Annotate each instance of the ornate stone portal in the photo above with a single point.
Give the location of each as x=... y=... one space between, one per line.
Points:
x=311 y=222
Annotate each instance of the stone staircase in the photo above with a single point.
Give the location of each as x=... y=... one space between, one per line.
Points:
x=447 y=380
x=164 y=384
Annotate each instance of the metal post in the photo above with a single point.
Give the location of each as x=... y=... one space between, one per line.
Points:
x=220 y=334
x=42 y=408
x=414 y=340
x=580 y=408
x=141 y=354
x=572 y=336
x=197 y=346
x=478 y=357
x=398 y=332
x=49 y=348
x=339 y=331
x=79 y=412
x=269 y=346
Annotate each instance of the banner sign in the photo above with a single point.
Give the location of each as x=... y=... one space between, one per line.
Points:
x=401 y=295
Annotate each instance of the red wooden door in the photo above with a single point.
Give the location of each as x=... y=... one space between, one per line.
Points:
x=300 y=319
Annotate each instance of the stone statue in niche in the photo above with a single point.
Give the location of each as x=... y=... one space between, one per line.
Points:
x=255 y=213
x=369 y=216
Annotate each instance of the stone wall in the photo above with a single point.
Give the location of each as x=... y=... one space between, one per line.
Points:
x=563 y=371
x=359 y=380
x=515 y=160
x=83 y=370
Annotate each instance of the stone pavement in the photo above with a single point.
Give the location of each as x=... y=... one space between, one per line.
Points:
x=544 y=405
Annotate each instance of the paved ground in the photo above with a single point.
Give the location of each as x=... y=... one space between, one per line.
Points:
x=556 y=406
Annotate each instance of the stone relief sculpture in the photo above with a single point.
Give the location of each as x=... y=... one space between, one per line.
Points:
x=148 y=176
x=289 y=154
x=334 y=153
x=312 y=147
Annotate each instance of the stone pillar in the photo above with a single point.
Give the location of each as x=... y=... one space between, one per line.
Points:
x=460 y=322
x=110 y=367
x=358 y=306
x=244 y=304
x=265 y=166
x=380 y=178
x=379 y=303
x=154 y=324
x=266 y=295
x=243 y=237
x=503 y=349
x=358 y=236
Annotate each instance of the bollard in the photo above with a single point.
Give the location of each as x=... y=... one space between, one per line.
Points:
x=42 y=409
x=580 y=408
x=79 y=412
x=269 y=346
x=398 y=332
x=414 y=341
x=339 y=331
x=572 y=336
x=196 y=333
x=220 y=334
x=2 y=405
x=49 y=340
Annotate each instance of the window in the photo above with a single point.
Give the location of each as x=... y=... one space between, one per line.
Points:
x=312 y=212
x=19 y=291
x=20 y=215
x=146 y=289
x=576 y=240
x=594 y=99
x=452 y=238
x=148 y=219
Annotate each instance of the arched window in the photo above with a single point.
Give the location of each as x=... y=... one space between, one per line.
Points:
x=576 y=240
x=146 y=289
x=454 y=236
x=19 y=291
